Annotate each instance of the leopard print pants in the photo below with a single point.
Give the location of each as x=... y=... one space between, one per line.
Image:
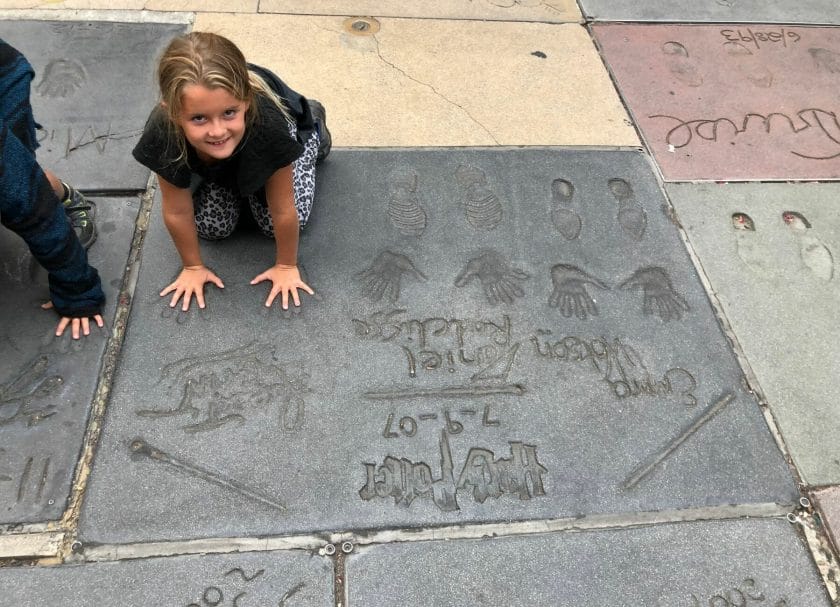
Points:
x=217 y=208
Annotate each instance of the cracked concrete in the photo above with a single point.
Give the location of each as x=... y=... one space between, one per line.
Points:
x=441 y=83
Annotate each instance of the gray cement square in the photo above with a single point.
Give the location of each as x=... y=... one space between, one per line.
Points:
x=269 y=578
x=94 y=87
x=47 y=382
x=770 y=253
x=499 y=335
x=745 y=562
x=714 y=11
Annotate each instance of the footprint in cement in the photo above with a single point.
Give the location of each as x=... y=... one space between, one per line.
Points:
x=482 y=207
x=631 y=216
x=814 y=253
x=565 y=220
x=748 y=65
x=747 y=244
x=404 y=208
x=681 y=65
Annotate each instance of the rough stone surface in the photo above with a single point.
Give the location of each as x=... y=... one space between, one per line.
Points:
x=731 y=102
x=540 y=10
x=93 y=90
x=195 y=581
x=746 y=562
x=720 y=11
x=47 y=382
x=427 y=82
x=828 y=500
x=778 y=284
x=409 y=394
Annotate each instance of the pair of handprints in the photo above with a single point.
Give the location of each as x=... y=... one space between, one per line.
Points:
x=501 y=283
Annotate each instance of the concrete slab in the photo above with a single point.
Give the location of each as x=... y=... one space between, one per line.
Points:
x=424 y=82
x=828 y=501
x=546 y=11
x=730 y=102
x=74 y=4
x=47 y=383
x=223 y=6
x=778 y=283
x=479 y=354
x=269 y=578
x=93 y=89
x=721 y=563
x=719 y=11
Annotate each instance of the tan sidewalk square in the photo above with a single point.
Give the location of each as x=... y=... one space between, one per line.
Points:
x=552 y=11
x=440 y=83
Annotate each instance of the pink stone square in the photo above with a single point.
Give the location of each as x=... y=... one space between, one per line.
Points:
x=731 y=102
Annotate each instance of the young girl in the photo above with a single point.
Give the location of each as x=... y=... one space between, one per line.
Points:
x=228 y=134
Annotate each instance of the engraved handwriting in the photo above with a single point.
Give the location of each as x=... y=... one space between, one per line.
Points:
x=67 y=140
x=222 y=596
x=756 y=37
x=408 y=425
x=617 y=364
x=483 y=475
x=744 y=595
x=483 y=347
x=21 y=398
x=225 y=388
x=823 y=123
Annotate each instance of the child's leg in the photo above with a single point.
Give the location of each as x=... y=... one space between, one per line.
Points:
x=216 y=211
x=303 y=183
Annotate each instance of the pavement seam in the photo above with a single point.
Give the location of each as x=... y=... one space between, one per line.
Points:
x=316 y=543
x=113 y=348
x=117 y=15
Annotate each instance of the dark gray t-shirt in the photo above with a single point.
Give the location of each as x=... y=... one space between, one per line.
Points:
x=266 y=147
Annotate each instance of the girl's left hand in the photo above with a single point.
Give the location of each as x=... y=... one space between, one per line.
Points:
x=285 y=280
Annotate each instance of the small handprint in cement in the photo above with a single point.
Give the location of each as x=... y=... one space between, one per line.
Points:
x=570 y=294
x=660 y=298
x=382 y=278
x=498 y=279
x=62 y=78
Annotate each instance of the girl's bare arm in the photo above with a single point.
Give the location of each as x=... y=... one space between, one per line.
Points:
x=179 y=217
x=284 y=275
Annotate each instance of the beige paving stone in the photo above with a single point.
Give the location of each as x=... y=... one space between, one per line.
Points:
x=552 y=11
x=210 y=6
x=440 y=83
x=74 y=4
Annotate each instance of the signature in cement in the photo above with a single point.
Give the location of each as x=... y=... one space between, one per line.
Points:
x=483 y=474
x=742 y=596
x=820 y=123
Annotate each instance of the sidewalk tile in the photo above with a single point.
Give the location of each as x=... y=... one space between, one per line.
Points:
x=93 y=90
x=730 y=102
x=502 y=335
x=545 y=11
x=745 y=562
x=423 y=82
x=719 y=11
x=828 y=501
x=268 y=578
x=47 y=383
x=209 y=6
x=778 y=283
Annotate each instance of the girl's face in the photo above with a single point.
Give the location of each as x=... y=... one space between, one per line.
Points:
x=213 y=121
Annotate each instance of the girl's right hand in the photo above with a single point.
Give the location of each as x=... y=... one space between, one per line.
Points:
x=191 y=282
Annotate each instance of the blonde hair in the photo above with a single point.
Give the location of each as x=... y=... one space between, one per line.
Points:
x=214 y=62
